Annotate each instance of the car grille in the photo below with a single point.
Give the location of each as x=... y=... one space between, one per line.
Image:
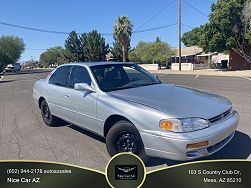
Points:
x=220 y=117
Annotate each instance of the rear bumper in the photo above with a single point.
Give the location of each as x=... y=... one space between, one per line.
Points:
x=174 y=145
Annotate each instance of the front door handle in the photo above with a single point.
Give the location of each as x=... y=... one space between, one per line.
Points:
x=67 y=96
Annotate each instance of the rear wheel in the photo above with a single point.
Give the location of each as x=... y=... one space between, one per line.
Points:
x=48 y=118
x=124 y=137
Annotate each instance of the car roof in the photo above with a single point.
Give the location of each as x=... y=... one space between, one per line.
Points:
x=89 y=64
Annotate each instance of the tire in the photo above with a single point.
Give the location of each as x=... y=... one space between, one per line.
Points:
x=48 y=118
x=124 y=137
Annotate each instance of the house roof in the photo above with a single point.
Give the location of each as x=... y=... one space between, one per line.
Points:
x=192 y=50
x=109 y=56
x=207 y=54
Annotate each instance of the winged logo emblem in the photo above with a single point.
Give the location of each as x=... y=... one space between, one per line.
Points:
x=126 y=169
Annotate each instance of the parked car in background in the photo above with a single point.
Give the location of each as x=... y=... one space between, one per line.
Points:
x=135 y=111
x=14 y=67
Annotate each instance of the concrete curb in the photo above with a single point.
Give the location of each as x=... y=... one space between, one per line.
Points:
x=45 y=68
x=207 y=72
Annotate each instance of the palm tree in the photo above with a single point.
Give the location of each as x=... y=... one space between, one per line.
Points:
x=122 y=32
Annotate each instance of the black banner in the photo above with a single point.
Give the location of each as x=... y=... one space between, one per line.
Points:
x=48 y=175
x=206 y=174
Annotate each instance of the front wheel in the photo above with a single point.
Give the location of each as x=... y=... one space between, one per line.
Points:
x=124 y=137
x=48 y=118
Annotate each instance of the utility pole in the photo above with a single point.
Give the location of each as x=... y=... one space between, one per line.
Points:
x=179 y=31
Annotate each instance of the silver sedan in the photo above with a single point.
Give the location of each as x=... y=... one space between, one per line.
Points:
x=135 y=111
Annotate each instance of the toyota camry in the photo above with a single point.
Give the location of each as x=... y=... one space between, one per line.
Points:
x=135 y=111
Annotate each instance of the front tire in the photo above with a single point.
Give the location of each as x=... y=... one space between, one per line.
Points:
x=48 y=118
x=124 y=137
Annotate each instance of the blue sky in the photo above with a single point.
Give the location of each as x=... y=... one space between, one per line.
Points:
x=84 y=16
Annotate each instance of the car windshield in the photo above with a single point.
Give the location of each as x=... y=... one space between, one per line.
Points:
x=113 y=77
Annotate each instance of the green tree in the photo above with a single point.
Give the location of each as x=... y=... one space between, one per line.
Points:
x=151 y=52
x=134 y=56
x=117 y=52
x=53 y=56
x=228 y=29
x=193 y=37
x=122 y=32
x=94 y=45
x=11 y=48
x=247 y=20
x=75 y=50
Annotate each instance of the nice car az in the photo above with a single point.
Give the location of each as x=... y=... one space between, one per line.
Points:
x=135 y=111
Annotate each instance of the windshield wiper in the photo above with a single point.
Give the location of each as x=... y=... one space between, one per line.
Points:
x=128 y=85
x=133 y=85
x=150 y=84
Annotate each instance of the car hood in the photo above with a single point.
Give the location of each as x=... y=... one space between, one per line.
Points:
x=177 y=101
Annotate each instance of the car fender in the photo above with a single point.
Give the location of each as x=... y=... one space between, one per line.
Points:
x=143 y=117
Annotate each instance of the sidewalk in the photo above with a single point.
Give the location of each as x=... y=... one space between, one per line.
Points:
x=207 y=72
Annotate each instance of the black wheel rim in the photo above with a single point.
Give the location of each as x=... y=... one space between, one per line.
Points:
x=46 y=113
x=128 y=142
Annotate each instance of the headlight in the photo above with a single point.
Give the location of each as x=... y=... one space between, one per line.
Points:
x=183 y=124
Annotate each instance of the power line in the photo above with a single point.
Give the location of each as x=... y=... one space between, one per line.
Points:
x=202 y=13
x=41 y=30
x=154 y=16
x=188 y=25
x=154 y=28
x=139 y=31
x=106 y=34
x=66 y=33
x=34 y=29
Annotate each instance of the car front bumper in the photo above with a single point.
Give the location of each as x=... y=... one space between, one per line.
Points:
x=174 y=145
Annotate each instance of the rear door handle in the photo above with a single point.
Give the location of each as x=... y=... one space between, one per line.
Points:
x=67 y=96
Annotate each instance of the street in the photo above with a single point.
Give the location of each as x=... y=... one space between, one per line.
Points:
x=23 y=134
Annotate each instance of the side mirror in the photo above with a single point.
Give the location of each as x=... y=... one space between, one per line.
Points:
x=83 y=86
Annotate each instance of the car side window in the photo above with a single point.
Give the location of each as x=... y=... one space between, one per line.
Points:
x=79 y=74
x=60 y=76
x=52 y=78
